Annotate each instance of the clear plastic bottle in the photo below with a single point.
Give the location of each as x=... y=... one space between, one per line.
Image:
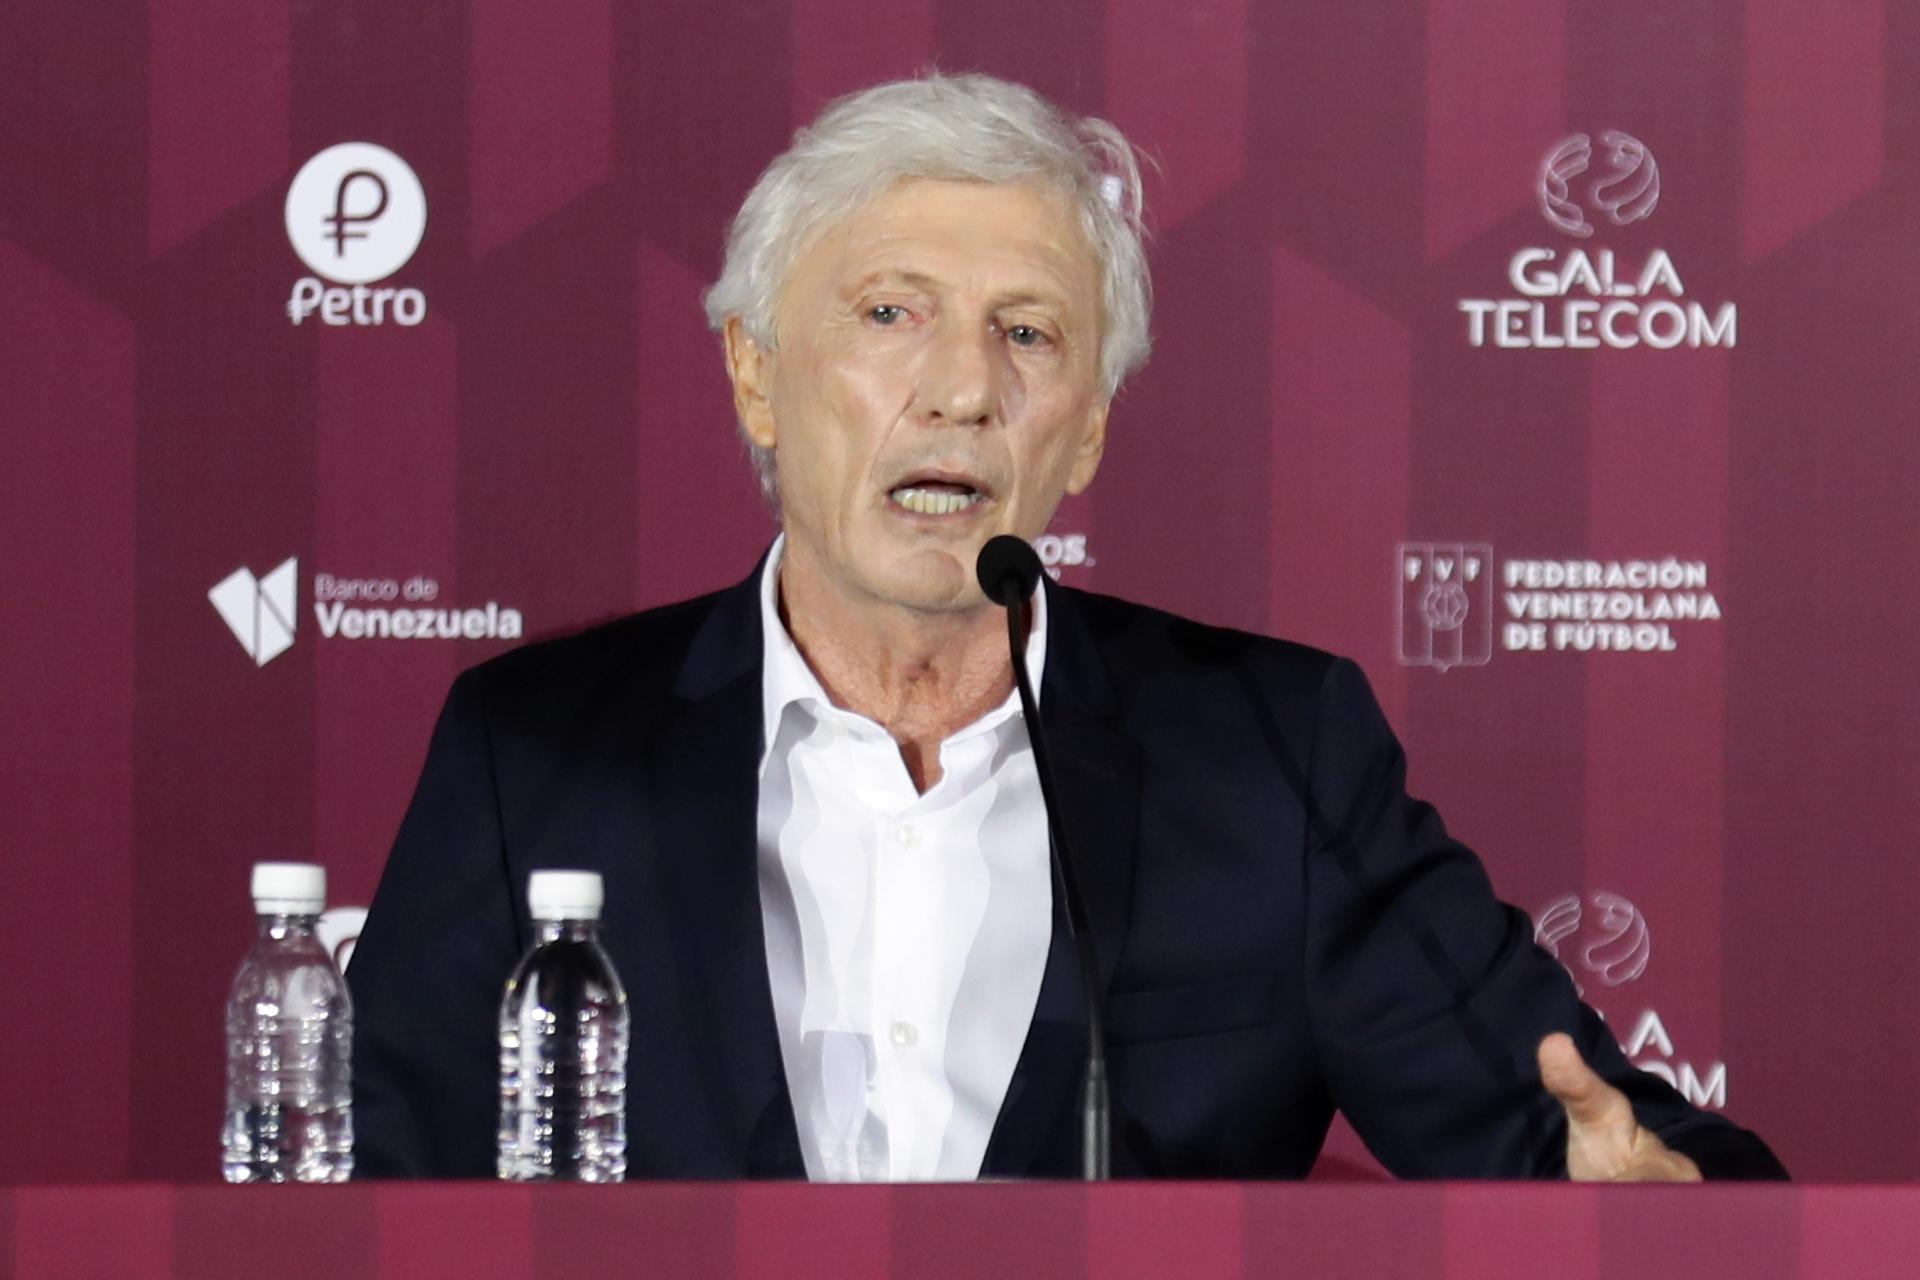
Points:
x=563 y=1043
x=289 y=1041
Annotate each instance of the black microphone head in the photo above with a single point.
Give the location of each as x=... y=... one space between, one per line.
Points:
x=1007 y=565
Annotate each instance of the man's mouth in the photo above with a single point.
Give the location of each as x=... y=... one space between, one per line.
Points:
x=929 y=497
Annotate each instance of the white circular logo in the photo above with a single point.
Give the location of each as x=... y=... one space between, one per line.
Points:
x=1610 y=943
x=1626 y=188
x=355 y=213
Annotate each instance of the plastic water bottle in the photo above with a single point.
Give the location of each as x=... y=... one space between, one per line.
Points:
x=289 y=1041
x=563 y=1043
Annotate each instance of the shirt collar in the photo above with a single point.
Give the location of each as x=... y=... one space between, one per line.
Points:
x=786 y=678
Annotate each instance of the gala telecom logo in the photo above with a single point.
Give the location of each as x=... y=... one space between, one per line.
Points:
x=1626 y=188
x=259 y=611
x=1605 y=937
x=1592 y=296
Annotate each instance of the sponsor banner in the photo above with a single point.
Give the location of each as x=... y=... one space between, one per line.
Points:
x=1452 y=592
x=1579 y=298
x=262 y=616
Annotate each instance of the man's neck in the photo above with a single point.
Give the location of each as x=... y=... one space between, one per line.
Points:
x=921 y=675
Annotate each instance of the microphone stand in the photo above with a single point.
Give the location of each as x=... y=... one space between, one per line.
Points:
x=1096 y=1106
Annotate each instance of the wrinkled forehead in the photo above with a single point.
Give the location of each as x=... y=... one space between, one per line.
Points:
x=1015 y=233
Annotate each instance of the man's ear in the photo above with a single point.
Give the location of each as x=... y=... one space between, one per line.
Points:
x=749 y=367
x=1093 y=444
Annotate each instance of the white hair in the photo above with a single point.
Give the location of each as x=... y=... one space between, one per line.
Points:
x=967 y=128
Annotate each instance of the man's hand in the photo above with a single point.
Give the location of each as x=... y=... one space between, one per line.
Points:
x=1605 y=1143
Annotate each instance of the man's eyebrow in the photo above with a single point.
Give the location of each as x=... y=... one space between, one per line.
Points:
x=891 y=275
x=921 y=280
x=1033 y=297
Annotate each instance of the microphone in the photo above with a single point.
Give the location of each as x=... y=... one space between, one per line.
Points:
x=1009 y=570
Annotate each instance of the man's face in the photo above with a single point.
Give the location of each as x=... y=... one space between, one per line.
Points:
x=936 y=382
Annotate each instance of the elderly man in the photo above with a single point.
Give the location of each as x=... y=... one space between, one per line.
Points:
x=814 y=802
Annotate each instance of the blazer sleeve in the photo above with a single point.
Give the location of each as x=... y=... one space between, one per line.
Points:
x=440 y=941
x=1427 y=995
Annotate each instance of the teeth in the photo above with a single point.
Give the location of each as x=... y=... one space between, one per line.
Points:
x=934 y=502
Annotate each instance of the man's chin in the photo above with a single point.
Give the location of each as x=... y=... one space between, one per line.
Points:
x=932 y=580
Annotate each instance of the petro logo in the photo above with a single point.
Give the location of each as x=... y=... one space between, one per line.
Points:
x=355 y=214
x=259 y=611
x=1626 y=189
x=1609 y=943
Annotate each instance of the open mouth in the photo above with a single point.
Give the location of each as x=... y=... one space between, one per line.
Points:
x=931 y=497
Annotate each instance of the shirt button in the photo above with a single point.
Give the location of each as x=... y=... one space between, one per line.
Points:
x=905 y=1034
x=908 y=836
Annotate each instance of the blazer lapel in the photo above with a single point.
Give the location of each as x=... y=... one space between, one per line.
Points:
x=703 y=766
x=1097 y=776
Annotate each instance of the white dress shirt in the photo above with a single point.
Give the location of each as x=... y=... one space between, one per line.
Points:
x=906 y=933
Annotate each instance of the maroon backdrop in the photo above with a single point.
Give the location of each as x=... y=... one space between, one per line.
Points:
x=1391 y=412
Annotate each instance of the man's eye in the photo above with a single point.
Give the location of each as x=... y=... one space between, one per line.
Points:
x=886 y=314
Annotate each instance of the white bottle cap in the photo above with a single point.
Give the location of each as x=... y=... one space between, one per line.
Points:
x=289 y=888
x=565 y=895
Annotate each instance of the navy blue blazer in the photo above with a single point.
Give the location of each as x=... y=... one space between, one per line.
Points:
x=1282 y=929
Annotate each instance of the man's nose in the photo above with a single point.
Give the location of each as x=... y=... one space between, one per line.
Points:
x=959 y=383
